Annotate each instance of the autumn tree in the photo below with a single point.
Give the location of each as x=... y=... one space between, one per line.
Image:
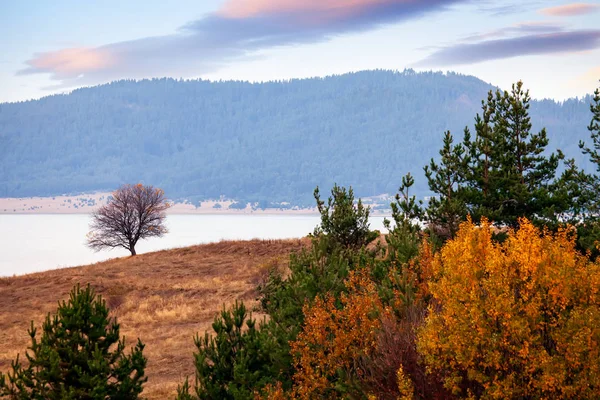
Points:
x=313 y=272
x=358 y=346
x=79 y=356
x=134 y=212
x=518 y=319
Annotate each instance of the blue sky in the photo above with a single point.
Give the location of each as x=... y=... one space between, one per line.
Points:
x=53 y=47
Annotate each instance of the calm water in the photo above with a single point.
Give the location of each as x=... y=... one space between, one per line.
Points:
x=33 y=243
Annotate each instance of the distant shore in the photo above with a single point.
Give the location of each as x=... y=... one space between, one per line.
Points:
x=86 y=203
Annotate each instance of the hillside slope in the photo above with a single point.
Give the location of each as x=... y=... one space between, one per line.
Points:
x=264 y=142
x=164 y=298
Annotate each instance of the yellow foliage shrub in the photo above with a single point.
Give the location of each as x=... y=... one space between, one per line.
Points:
x=519 y=319
x=405 y=386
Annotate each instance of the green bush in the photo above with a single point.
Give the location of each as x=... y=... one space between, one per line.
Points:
x=345 y=223
x=78 y=356
x=235 y=361
x=239 y=361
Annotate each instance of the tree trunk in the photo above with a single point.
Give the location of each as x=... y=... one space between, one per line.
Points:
x=132 y=250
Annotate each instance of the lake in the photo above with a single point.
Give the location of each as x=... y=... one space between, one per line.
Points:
x=40 y=242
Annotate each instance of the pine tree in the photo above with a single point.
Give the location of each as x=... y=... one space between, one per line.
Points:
x=235 y=362
x=403 y=238
x=483 y=176
x=446 y=180
x=78 y=356
x=241 y=357
x=502 y=173
x=346 y=224
x=589 y=184
x=592 y=184
x=528 y=173
x=594 y=129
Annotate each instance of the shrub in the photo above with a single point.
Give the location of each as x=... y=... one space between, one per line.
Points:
x=334 y=339
x=78 y=356
x=520 y=319
x=235 y=362
x=337 y=248
x=404 y=236
x=345 y=223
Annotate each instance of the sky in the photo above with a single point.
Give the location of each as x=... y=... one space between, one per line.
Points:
x=49 y=47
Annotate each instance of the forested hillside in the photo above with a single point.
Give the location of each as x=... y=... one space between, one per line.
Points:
x=264 y=142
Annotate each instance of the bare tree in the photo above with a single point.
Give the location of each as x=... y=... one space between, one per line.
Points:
x=135 y=212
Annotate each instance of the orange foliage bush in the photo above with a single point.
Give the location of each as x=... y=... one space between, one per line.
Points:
x=334 y=339
x=395 y=365
x=519 y=319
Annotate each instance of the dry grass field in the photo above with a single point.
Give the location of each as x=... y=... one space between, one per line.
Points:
x=164 y=298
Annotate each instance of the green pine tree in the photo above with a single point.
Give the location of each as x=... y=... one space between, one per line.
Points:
x=240 y=358
x=592 y=184
x=345 y=223
x=234 y=362
x=510 y=175
x=446 y=180
x=78 y=356
x=589 y=184
x=502 y=173
x=594 y=128
x=403 y=237
x=483 y=176
x=528 y=174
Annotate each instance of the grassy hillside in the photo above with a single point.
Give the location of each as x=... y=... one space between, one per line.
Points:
x=164 y=298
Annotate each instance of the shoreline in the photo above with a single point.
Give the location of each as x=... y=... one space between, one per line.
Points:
x=87 y=203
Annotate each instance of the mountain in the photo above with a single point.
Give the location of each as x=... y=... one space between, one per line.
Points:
x=260 y=142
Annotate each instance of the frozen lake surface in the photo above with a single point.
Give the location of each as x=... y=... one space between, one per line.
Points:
x=39 y=242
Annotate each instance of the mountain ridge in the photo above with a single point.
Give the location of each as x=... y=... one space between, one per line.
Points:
x=268 y=142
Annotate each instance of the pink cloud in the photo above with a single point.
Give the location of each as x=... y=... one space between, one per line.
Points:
x=570 y=9
x=238 y=30
x=71 y=62
x=254 y=8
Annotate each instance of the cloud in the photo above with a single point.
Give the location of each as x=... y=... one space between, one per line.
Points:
x=67 y=62
x=517 y=29
x=331 y=8
x=568 y=10
x=239 y=29
x=506 y=8
x=532 y=44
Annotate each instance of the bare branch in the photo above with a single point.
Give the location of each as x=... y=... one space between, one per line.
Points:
x=135 y=212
